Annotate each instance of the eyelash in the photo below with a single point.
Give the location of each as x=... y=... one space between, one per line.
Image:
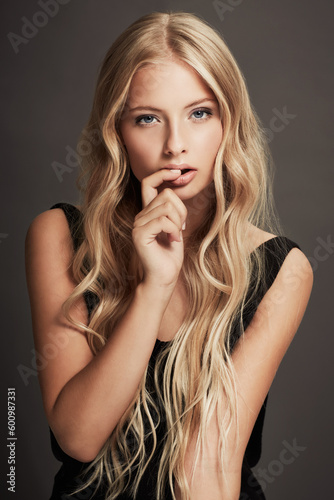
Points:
x=202 y=110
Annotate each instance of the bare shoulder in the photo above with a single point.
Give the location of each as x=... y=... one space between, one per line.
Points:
x=296 y=262
x=49 y=229
x=51 y=219
x=48 y=246
x=296 y=273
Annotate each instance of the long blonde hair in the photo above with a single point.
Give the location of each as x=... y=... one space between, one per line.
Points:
x=217 y=269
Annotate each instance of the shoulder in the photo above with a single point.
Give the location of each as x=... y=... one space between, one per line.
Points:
x=51 y=221
x=296 y=273
x=295 y=262
x=49 y=254
x=49 y=231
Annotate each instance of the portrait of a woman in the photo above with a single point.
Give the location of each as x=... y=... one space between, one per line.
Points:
x=171 y=278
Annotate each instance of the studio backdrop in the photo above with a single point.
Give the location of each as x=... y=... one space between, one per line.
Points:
x=51 y=52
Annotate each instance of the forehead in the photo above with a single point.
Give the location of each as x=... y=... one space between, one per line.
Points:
x=170 y=81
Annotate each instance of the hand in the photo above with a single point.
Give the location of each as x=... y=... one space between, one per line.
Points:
x=157 y=228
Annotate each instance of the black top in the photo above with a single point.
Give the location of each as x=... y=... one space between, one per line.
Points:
x=276 y=249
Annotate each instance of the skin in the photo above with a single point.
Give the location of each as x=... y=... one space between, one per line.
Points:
x=174 y=132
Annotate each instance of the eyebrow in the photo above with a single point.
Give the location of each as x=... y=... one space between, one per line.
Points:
x=195 y=103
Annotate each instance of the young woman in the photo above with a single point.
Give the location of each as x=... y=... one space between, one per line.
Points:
x=168 y=296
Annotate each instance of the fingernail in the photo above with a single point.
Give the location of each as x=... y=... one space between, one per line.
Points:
x=184 y=226
x=175 y=170
x=181 y=235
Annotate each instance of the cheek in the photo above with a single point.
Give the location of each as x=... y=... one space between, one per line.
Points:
x=211 y=141
x=141 y=156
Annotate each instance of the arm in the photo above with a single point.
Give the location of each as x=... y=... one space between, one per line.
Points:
x=256 y=359
x=84 y=396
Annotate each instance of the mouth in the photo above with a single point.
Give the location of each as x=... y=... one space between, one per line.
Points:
x=183 y=167
x=187 y=174
x=178 y=166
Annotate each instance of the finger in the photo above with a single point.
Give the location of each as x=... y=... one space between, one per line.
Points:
x=150 y=183
x=166 y=208
x=155 y=227
x=164 y=224
x=165 y=195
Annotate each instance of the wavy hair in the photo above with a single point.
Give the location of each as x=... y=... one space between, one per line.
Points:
x=193 y=375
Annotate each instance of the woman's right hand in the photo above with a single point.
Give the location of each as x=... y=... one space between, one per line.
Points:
x=157 y=228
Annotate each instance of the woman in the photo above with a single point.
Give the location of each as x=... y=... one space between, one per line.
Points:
x=169 y=296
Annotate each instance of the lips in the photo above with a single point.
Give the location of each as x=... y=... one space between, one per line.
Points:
x=183 y=167
x=186 y=176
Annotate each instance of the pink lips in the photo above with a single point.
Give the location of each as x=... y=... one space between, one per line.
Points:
x=183 y=179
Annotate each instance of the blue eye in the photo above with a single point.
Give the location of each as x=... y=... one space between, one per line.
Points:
x=201 y=114
x=145 y=119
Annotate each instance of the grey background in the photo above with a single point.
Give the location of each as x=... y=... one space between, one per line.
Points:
x=284 y=49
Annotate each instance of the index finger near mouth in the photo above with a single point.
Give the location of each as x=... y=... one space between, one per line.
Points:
x=150 y=184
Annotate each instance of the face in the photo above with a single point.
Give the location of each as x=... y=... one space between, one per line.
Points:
x=172 y=118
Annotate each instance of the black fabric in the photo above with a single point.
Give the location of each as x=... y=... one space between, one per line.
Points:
x=275 y=251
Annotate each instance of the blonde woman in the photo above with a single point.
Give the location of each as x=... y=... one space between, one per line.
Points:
x=168 y=296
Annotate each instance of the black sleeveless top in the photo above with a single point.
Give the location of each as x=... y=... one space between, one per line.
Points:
x=66 y=479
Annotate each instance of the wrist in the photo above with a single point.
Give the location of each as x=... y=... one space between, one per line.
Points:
x=155 y=294
x=155 y=287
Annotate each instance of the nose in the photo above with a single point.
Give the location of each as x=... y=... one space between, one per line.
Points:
x=175 y=142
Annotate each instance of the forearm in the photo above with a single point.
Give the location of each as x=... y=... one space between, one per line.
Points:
x=93 y=401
